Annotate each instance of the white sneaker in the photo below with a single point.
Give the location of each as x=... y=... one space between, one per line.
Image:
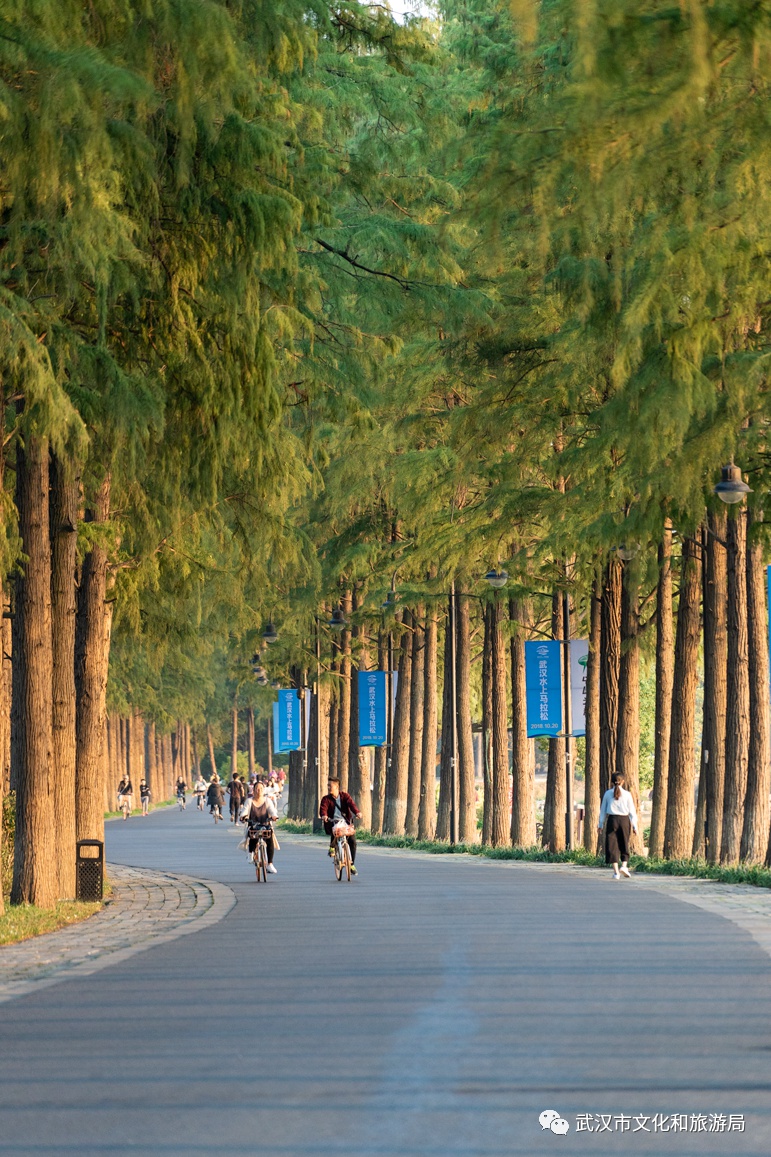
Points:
x=626 y=872
x=272 y=870
x=616 y=876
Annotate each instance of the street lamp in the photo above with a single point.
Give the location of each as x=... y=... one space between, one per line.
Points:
x=627 y=551
x=731 y=488
x=497 y=578
x=270 y=634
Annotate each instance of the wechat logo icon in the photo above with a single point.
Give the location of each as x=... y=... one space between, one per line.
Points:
x=550 y=1119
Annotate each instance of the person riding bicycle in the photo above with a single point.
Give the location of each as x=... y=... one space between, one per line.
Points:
x=199 y=787
x=215 y=797
x=181 y=788
x=144 y=795
x=260 y=815
x=335 y=806
x=125 y=791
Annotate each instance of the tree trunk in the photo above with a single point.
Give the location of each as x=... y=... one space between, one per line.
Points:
x=250 y=731
x=678 y=832
x=487 y=728
x=358 y=757
x=196 y=755
x=738 y=699
x=698 y=847
x=467 y=820
x=554 y=834
x=501 y=821
x=610 y=663
x=417 y=712
x=318 y=757
x=344 y=699
x=715 y=677
x=381 y=753
x=665 y=658
x=592 y=792
x=396 y=782
x=334 y=693
x=234 y=743
x=63 y=530
x=628 y=743
x=138 y=741
x=427 y=815
x=36 y=851
x=92 y=656
x=210 y=743
x=152 y=764
x=756 y=809
x=523 y=779
x=445 y=746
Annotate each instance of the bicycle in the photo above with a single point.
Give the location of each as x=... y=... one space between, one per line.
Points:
x=181 y=800
x=216 y=811
x=124 y=805
x=260 y=853
x=342 y=857
x=199 y=798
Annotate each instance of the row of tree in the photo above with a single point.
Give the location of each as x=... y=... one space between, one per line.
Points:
x=298 y=301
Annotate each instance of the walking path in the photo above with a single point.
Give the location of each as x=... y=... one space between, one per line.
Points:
x=147 y=909
x=437 y=1006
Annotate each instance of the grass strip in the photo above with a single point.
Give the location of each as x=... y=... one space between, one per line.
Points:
x=23 y=921
x=755 y=874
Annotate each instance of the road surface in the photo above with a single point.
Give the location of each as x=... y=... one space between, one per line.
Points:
x=434 y=1007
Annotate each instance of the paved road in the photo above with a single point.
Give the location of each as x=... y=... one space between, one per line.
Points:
x=433 y=1007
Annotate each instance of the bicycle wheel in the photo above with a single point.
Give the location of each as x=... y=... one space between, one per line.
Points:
x=338 y=860
x=347 y=860
x=261 y=863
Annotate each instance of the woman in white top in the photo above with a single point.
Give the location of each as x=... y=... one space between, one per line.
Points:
x=618 y=808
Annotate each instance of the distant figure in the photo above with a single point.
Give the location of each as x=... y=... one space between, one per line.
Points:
x=237 y=793
x=144 y=795
x=125 y=791
x=619 y=810
x=215 y=797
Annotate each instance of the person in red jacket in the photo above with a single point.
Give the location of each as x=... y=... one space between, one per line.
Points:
x=334 y=806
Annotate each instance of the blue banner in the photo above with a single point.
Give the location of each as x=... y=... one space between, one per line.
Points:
x=543 y=674
x=288 y=731
x=276 y=744
x=372 y=708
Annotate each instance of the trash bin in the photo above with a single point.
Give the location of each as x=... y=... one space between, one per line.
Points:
x=89 y=870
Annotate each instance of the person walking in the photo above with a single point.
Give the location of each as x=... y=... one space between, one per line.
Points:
x=619 y=811
x=237 y=792
x=144 y=795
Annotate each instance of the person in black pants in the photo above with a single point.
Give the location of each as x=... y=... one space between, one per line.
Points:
x=619 y=811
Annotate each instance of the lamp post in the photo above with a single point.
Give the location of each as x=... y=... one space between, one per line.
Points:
x=568 y=719
x=455 y=784
x=270 y=634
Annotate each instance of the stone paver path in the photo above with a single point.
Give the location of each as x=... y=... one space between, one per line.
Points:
x=147 y=909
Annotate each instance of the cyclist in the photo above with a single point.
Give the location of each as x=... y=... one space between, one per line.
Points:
x=126 y=792
x=199 y=787
x=215 y=797
x=338 y=805
x=237 y=792
x=260 y=815
x=144 y=795
x=181 y=789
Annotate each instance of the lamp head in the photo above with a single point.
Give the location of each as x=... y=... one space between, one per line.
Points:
x=731 y=488
x=497 y=578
